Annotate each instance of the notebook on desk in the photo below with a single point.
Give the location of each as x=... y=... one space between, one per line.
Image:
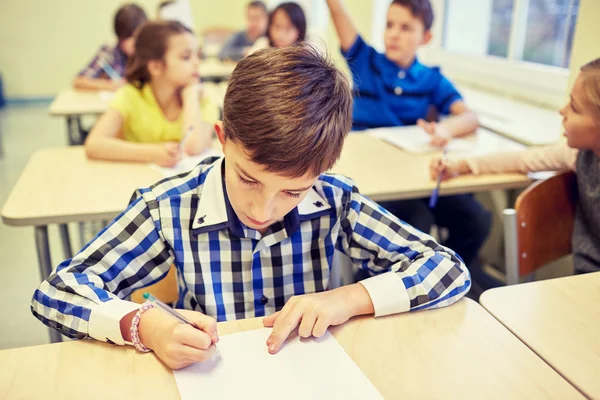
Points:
x=415 y=140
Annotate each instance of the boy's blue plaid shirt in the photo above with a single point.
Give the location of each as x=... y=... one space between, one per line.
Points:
x=229 y=271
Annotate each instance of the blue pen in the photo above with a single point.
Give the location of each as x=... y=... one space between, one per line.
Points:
x=159 y=304
x=436 y=191
x=110 y=71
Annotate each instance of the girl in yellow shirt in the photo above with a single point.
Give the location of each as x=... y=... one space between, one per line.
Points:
x=156 y=116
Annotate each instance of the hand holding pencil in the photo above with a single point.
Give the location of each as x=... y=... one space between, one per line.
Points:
x=178 y=337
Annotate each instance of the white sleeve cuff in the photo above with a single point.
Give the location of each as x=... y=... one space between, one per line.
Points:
x=105 y=319
x=388 y=294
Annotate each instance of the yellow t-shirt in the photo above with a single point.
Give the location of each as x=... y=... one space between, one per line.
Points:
x=144 y=120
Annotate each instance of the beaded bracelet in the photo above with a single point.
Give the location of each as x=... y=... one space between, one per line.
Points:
x=134 y=330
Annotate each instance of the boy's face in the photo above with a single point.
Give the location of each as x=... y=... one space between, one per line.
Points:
x=404 y=34
x=581 y=128
x=259 y=197
x=257 y=21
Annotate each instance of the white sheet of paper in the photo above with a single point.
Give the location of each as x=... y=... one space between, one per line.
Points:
x=106 y=95
x=187 y=163
x=415 y=140
x=242 y=368
x=179 y=10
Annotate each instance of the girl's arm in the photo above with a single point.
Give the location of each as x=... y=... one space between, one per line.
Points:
x=105 y=142
x=556 y=157
x=197 y=134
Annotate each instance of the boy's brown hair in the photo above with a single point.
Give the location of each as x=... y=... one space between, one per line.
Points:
x=127 y=19
x=290 y=110
x=420 y=9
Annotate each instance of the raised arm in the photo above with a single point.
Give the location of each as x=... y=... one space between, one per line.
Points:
x=344 y=27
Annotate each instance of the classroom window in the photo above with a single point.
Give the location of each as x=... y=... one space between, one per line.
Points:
x=537 y=31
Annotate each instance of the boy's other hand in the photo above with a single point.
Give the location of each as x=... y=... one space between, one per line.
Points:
x=440 y=136
x=315 y=312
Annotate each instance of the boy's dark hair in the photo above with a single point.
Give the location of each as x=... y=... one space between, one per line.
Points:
x=258 y=4
x=163 y=4
x=295 y=14
x=289 y=109
x=127 y=19
x=420 y=9
x=150 y=44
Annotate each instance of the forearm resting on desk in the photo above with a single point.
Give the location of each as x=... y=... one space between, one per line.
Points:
x=115 y=149
x=84 y=83
x=460 y=125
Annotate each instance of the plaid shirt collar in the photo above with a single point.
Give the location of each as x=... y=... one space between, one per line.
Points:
x=215 y=212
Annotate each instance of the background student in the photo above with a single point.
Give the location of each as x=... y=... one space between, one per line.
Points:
x=155 y=117
x=107 y=68
x=239 y=45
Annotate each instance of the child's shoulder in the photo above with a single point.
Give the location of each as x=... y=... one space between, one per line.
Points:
x=335 y=188
x=424 y=72
x=183 y=185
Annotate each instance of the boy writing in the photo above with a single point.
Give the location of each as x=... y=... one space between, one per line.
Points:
x=253 y=233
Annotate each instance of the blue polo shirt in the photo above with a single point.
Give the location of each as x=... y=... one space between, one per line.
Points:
x=388 y=95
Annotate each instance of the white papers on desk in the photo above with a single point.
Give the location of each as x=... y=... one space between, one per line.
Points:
x=242 y=368
x=106 y=95
x=187 y=163
x=415 y=140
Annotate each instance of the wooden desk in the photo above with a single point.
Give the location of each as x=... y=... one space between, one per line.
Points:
x=77 y=189
x=73 y=104
x=384 y=172
x=456 y=352
x=559 y=319
x=527 y=124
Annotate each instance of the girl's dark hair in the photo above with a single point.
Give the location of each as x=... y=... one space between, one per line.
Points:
x=150 y=44
x=127 y=19
x=296 y=15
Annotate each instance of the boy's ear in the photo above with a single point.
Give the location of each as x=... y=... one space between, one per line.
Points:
x=155 y=67
x=220 y=133
x=426 y=38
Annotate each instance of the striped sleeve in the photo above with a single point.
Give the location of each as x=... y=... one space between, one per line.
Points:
x=409 y=269
x=94 y=69
x=84 y=296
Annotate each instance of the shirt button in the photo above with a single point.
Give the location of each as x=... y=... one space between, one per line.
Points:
x=264 y=300
x=398 y=90
x=401 y=74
